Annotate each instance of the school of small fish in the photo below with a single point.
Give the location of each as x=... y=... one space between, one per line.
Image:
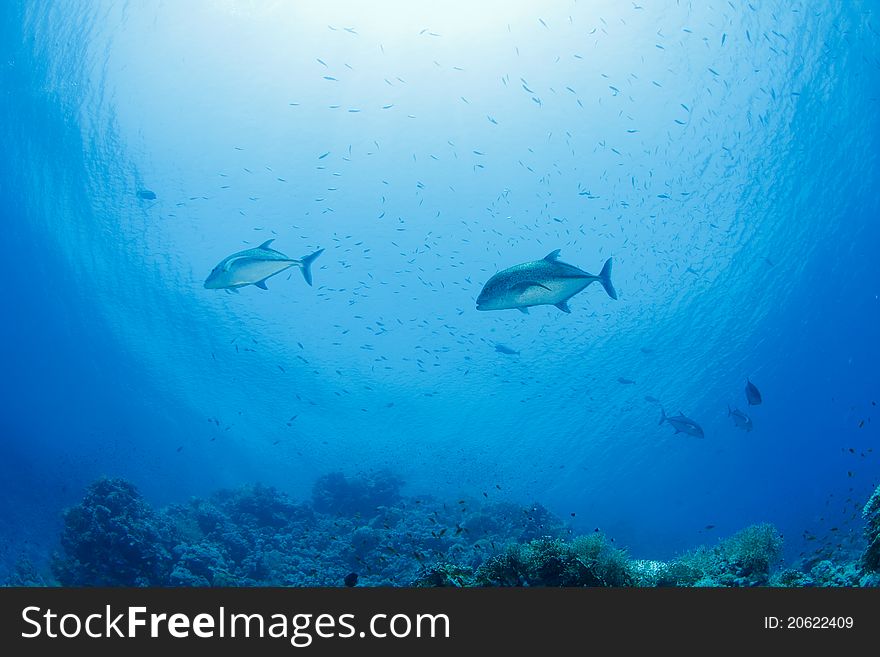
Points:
x=547 y=281
x=528 y=285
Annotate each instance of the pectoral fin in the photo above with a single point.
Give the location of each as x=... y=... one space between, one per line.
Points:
x=261 y=284
x=227 y=266
x=525 y=285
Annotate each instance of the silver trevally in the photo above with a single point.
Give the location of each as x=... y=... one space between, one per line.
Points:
x=681 y=424
x=254 y=266
x=740 y=419
x=542 y=282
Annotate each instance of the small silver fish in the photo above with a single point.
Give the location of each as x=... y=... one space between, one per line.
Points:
x=740 y=419
x=682 y=424
x=625 y=381
x=753 y=395
x=503 y=349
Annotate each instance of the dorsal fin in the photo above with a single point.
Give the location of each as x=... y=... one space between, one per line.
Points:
x=265 y=245
x=552 y=256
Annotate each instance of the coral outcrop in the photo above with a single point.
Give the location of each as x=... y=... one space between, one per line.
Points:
x=114 y=538
x=871 y=514
x=744 y=559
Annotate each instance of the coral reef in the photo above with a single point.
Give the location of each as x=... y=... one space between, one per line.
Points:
x=114 y=538
x=445 y=574
x=744 y=559
x=871 y=513
x=584 y=561
x=362 y=531
x=258 y=536
x=25 y=573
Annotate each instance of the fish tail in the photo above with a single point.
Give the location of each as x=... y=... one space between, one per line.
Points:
x=605 y=279
x=662 y=416
x=306 y=264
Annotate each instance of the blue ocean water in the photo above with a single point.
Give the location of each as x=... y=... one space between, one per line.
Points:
x=725 y=156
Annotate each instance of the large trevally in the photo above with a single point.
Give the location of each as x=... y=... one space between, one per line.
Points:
x=254 y=266
x=740 y=419
x=542 y=282
x=681 y=424
x=753 y=395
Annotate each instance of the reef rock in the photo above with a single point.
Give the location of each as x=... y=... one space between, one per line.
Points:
x=114 y=538
x=871 y=514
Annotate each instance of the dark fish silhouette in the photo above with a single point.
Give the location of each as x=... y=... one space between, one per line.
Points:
x=502 y=349
x=146 y=195
x=682 y=424
x=740 y=419
x=753 y=395
x=351 y=579
x=625 y=381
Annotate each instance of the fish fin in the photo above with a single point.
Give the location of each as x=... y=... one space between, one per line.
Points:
x=662 y=416
x=306 y=264
x=605 y=279
x=265 y=245
x=233 y=260
x=552 y=256
x=729 y=412
x=563 y=306
x=525 y=285
x=261 y=284
x=524 y=310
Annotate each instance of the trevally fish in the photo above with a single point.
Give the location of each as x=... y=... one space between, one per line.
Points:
x=504 y=349
x=681 y=424
x=542 y=282
x=753 y=395
x=740 y=419
x=255 y=266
